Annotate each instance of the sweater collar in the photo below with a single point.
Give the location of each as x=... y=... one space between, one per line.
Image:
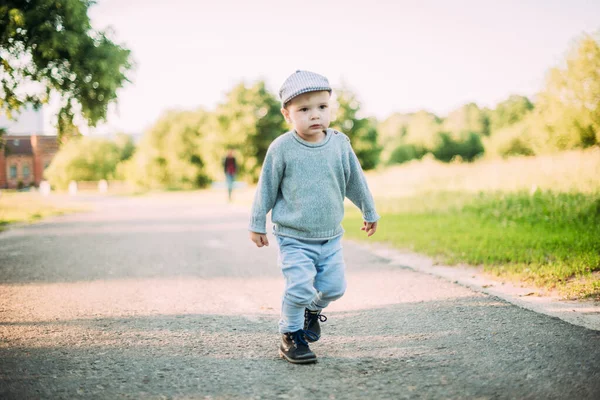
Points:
x=328 y=133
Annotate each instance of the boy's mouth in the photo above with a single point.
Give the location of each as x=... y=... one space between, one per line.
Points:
x=316 y=126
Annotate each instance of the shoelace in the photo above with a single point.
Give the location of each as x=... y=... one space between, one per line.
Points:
x=298 y=337
x=320 y=317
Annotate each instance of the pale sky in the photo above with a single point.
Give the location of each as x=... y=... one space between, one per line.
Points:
x=396 y=55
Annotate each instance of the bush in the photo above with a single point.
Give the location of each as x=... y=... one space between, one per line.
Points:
x=170 y=155
x=405 y=153
x=448 y=148
x=84 y=159
x=525 y=138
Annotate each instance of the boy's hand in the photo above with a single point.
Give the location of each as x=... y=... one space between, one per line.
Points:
x=260 y=239
x=369 y=227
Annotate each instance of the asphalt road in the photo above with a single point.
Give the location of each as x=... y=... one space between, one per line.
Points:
x=165 y=297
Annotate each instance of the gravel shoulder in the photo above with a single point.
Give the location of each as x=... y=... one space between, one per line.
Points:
x=581 y=312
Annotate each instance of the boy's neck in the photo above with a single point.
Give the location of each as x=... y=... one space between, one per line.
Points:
x=313 y=139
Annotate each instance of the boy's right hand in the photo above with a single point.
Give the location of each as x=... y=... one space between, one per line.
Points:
x=260 y=239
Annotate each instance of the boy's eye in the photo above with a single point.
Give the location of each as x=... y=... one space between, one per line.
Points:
x=323 y=107
x=304 y=109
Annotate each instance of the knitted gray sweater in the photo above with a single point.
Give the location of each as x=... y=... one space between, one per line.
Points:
x=305 y=183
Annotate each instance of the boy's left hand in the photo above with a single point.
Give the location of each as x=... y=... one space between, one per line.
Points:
x=369 y=227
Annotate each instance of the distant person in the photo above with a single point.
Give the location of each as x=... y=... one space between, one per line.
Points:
x=230 y=168
x=306 y=174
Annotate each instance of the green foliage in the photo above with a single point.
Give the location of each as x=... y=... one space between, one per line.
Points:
x=125 y=145
x=408 y=136
x=570 y=103
x=566 y=116
x=461 y=133
x=449 y=148
x=248 y=121
x=84 y=159
x=361 y=131
x=422 y=130
x=520 y=139
x=391 y=133
x=509 y=112
x=29 y=206
x=2 y=133
x=549 y=239
x=185 y=149
x=406 y=152
x=170 y=155
x=468 y=118
x=52 y=44
x=567 y=112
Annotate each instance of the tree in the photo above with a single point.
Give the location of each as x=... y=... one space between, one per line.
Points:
x=468 y=118
x=84 y=159
x=404 y=153
x=509 y=112
x=409 y=136
x=49 y=46
x=570 y=102
x=514 y=140
x=249 y=120
x=185 y=149
x=467 y=148
x=361 y=131
x=170 y=155
x=423 y=130
x=391 y=133
x=125 y=145
x=2 y=133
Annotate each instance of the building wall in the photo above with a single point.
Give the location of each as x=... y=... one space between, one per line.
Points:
x=3 y=171
x=22 y=162
x=44 y=149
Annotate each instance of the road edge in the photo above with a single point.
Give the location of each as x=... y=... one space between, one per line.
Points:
x=581 y=313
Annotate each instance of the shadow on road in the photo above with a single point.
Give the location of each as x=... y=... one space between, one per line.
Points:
x=167 y=298
x=469 y=347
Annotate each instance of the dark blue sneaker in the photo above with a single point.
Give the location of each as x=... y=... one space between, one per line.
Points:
x=294 y=347
x=311 y=323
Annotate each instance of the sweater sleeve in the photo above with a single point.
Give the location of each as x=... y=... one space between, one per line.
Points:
x=266 y=191
x=357 y=189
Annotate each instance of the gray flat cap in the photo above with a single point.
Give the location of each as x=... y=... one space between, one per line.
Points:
x=302 y=82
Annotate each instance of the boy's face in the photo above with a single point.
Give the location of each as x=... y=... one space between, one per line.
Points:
x=309 y=114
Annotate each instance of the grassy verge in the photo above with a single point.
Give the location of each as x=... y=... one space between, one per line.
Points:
x=549 y=239
x=30 y=207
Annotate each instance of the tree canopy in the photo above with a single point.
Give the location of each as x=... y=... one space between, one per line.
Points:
x=248 y=121
x=570 y=101
x=88 y=159
x=49 y=46
x=361 y=131
x=171 y=153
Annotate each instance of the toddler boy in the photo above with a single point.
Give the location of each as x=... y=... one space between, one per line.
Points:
x=305 y=177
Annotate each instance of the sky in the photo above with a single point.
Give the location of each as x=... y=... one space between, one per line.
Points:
x=397 y=56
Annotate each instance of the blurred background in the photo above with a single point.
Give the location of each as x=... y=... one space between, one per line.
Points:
x=465 y=114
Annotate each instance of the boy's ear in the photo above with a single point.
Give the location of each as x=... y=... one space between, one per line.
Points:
x=286 y=114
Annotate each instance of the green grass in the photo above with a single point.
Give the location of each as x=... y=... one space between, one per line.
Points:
x=549 y=239
x=30 y=207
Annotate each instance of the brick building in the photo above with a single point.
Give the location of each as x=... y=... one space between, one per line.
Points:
x=24 y=159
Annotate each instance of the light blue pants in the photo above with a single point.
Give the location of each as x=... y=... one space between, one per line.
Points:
x=230 y=179
x=314 y=274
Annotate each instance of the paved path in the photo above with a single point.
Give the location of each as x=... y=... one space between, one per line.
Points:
x=165 y=297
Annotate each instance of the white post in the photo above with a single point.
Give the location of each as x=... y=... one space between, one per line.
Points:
x=44 y=188
x=103 y=186
x=73 y=188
